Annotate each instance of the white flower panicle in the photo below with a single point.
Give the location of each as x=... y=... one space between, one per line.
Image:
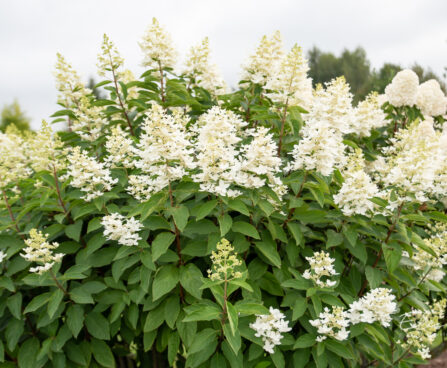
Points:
x=68 y=83
x=90 y=176
x=216 y=139
x=120 y=148
x=430 y=99
x=39 y=250
x=321 y=266
x=157 y=47
x=421 y=327
x=14 y=157
x=376 y=306
x=89 y=120
x=109 y=60
x=225 y=263
x=403 y=89
x=270 y=328
x=414 y=161
x=164 y=153
x=198 y=65
x=45 y=150
x=357 y=189
x=332 y=324
x=289 y=83
x=265 y=61
x=369 y=116
x=426 y=262
x=123 y=230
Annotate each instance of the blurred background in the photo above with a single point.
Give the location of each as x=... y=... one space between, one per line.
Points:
x=368 y=42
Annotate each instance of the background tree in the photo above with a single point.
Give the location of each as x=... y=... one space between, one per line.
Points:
x=13 y=114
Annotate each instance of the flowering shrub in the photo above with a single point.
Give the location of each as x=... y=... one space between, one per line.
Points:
x=181 y=223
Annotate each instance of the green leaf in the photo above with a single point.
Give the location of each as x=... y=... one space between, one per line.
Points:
x=161 y=244
x=374 y=276
x=173 y=348
x=97 y=325
x=201 y=312
x=54 y=302
x=299 y=308
x=238 y=205
x=75 y=318
x=392 y=256
x=234 y=340
x=191 y=280
x=304 y=341
x=171 y=310
x=154 y=319
x=246 y=229
x=180 y=215
x=205 y=209
x=333 y=238
x=232 y=317
x=165 y=280
x=241 y=283
x=251 y=308
x=95 y=242
x=225 y=223
x=296 y=232
x=351 y=234
x=202 y=339
x=339 y=349
x=14 y=303
x=28 y=351
x=102 y=353
x=268 y=249
x=74 y=231
x=278 y=359
x=37 y=302
x=13 y=332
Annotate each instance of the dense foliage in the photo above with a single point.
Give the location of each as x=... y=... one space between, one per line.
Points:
x=180 y=224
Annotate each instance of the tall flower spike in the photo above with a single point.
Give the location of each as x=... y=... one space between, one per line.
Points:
x=205 y=74
x=357 y=189
x=45 y=150
x=270 y=328
x=124 y=231
x=90 y=176
x=225 y=263
x=164 y=153
x=89 y=120
x=157 y=47
x=264 y=62
x=109 y=59
x=39 y=250
x=289 y=83
x=321 y=265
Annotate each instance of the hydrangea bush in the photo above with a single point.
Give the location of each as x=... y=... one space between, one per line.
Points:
x=178 y=222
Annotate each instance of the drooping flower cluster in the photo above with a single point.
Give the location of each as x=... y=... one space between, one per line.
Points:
x=157 y=47
x=426 y=262
x=109 y=60
x=357 y=189
x=377 y=305
x=262 y=65
x=403 y=89
x=39 y=250
x=321 y=265
x=45 y=150
x=123 y=230
x=205 y=74
x=421 y=327
x=410 y=163
x=225 y=262
x=333 y=324
x=270 y=328
x=369 y=116
x=90 y=176
x=164 y=153
x=290 y=84
x=430 y=99
x=14 y=157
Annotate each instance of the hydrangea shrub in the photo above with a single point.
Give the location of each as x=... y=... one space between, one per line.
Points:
x=178 y=222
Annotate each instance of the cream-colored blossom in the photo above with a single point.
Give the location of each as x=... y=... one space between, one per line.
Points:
x=120 y=148
x=369 y=116
x=205 y=74
x=90 y=176
x=430 y=98
x=289 y=84
x=89 y=121
x=109 y=60
x=321 y=269
x=157 y=47
x=39 y=250
x=332 y=324
x=262 y=65
x=123 y=230
x=225 y=263
x=357 y=189
x=403 y=89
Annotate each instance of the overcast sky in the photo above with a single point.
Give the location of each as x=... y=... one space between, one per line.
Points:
x=32 y=31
